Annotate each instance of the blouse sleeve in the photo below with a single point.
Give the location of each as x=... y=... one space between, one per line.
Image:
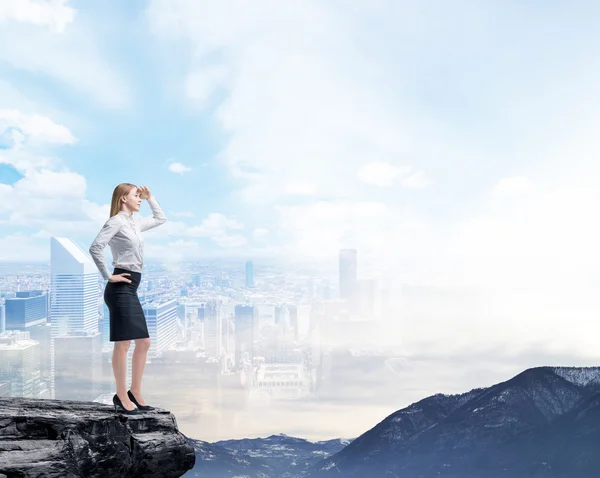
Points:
x=158 y=216
x=110 y=228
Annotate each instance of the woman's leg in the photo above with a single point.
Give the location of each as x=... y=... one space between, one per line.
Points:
x=119 y=365
x=137 y=370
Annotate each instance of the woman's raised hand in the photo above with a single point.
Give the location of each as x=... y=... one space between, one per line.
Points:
x=119 y=278
x=144 y=192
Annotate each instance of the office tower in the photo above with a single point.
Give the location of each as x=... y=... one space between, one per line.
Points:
x=311 y=290
x=78 y=366
x=2 y=318
x=19 y=364
x=282 y=317
x=196 y=278
x=26 y=311
x=161 y=318
x=366 y=291
x=213 y=329
x=249 y=274
x=293 y=310
x=74 y=296
x=266 y=316
x=324 y=290
x=74 y=288
x=29 y=293
x=246 y=322
x=107 y=344
x=348 y=273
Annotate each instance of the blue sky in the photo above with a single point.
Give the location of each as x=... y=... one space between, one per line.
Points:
x=459 y=137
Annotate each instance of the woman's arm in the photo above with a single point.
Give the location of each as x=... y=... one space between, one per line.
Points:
x=110 y=228
x=158 y=216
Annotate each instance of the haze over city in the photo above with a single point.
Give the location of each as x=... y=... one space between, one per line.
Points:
x=450 y=145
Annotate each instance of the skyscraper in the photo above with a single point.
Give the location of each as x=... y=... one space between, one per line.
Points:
x=26 y=311
x=197 y=279
x=2 y=318
x=74 y=288
x=213 y=329
x=249 y=274
x=73 y=313
x=161 y=317
x=20 y=365
x=348 y=273
x=246 y=322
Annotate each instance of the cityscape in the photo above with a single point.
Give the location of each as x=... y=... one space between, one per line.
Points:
x=229 y=343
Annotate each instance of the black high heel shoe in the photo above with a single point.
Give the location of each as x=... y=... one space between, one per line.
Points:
x=141 y=407
x=117 y=403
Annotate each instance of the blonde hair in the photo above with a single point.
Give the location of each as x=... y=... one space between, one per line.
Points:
x=121 y=190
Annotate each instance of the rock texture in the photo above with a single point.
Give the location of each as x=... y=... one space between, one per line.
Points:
x=70 y=439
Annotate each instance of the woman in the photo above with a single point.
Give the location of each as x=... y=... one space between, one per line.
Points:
x=122 y=231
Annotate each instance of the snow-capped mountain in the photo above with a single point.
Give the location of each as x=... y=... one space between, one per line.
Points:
x=491 y=432
x=544 y=422
x=279 y=456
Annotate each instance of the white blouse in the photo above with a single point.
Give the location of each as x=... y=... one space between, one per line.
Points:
x=122 y=232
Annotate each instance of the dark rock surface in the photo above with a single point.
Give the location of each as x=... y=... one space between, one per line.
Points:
x=70 y=439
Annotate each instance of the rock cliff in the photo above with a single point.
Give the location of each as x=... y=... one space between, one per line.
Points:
x=70 y=439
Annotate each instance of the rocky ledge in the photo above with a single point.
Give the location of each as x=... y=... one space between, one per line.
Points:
x=70 y=439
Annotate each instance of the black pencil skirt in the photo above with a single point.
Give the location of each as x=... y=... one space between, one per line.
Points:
x=127 y=320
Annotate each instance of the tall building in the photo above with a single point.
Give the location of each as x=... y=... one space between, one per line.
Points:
x=73 y=289
x=196 y=279
x=348 y=273
x=19 y=364
x=249 y=274
x=213 y=329
x=2 y=318
x=26 y=310
x=246 y=323
x=107 y=344
x=78 y=366
x=293 y=309
x=366 y=292
x=161 y=318
x=74 y=297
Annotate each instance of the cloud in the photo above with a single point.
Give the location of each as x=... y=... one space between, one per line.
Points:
x=201 y=84
x=39 y=129
x=381 y=174
x=178 y=168
x=285 y=100
x=513 y=185
x=53 y=13
x=416 y=181
x=260 y=234
x=216 y=226
x=316 y=231
x=22 y=247
x=182 y=214
x=315 y=106
x=73 y=57
x=48 y=196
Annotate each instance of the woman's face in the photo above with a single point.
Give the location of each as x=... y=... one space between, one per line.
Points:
x=133 y=200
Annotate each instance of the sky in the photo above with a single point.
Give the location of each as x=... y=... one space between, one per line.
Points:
x=451 y=143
